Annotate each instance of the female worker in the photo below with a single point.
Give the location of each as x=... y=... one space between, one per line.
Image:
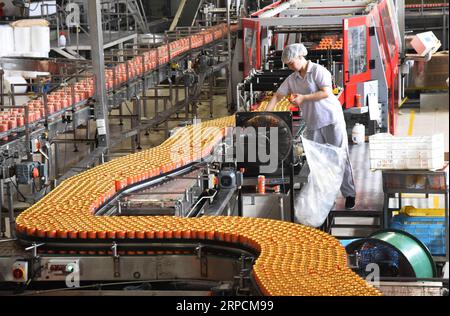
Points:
x=311 y=88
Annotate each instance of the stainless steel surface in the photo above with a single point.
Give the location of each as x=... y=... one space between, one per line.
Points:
x=55 y=126
x=224 y=204
x=109 y=207
x=173 y=197
x=411 y=288
x=138 y=268
x=171 y=189
x=201 y=262
x=266 y=205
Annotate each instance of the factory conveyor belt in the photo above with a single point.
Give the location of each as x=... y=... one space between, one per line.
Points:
x=292 y=259
x=14 y=120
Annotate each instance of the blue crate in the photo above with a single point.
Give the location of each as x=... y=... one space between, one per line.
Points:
x=428 y=229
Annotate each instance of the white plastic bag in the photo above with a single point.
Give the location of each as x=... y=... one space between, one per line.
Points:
x=316 y=198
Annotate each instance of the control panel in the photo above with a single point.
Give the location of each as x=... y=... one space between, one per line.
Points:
x=59 y=269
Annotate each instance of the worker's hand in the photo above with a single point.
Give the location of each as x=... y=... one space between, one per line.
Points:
x=297 y=99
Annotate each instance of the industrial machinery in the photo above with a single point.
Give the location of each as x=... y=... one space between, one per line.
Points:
x=161 y=220
x=399 y=262
x=204 y=257
x=209 y=267
x=208 y=185
x=26 y=172
x=359 y=42
x=229 y=178
x=64 y=102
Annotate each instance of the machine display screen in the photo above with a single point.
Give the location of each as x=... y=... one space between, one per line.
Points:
x=357 y=50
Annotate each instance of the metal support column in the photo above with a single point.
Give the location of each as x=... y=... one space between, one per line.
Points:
x=211 y=94
x=170 y=89
x=88 y=135
x=135 y=121
x=98 y=62
x=56 y=169
x=177 y=91
x=291 y=193
x=144 y=99
x=12 y=219
x=121 y=114
x=2 y=224
x=240 y=204
x=229 y=91
x=186 y=99
x=166 y=123
x=156 y=95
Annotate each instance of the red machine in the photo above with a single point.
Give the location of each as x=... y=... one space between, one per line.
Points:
x=368 y=57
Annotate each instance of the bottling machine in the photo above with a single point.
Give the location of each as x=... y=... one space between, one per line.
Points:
x=358 y=41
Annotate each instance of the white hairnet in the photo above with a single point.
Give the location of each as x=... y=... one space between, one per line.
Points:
x=293 y=51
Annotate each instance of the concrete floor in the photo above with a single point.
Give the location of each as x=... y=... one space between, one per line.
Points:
x=431 y=118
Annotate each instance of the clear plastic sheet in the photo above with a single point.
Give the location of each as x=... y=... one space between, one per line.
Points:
x=316 y=198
